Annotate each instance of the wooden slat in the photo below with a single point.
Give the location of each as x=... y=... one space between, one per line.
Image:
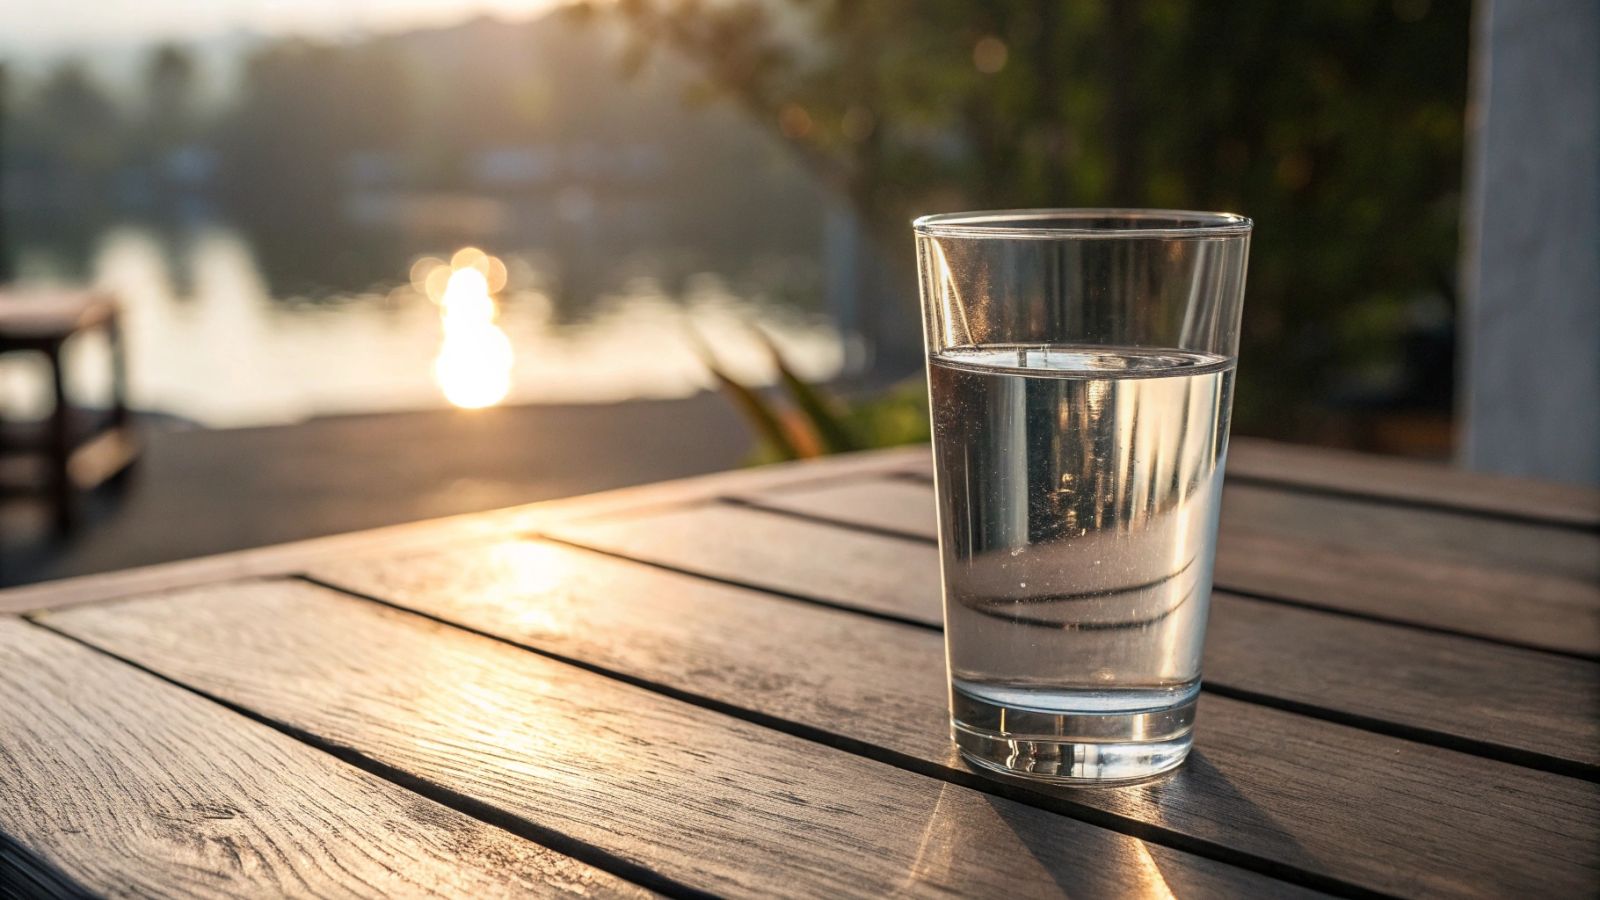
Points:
x=851 y=466
x=1474 y=692
x=1424 y=484
x=1533 y=586
x=893 y=505
x=1271 y=784
x=1505 y=700
x=1517 y=607
x=705 y=799
x=285 y=558
x=1567 y=558
x=1396 y=481
x=1566 y=553
x=129 y=786
x=886 y=576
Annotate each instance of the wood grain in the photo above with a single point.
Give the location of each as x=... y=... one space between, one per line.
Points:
x=1527 y=585
x=132 y=787
x=1267 y=783
x=1505 y=696
x=707 y=800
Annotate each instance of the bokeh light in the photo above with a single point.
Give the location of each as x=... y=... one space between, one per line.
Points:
x=473 y=367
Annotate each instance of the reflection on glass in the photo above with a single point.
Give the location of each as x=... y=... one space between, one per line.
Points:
x=473 y=368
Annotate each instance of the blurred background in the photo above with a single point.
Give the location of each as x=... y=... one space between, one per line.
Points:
x=400 y=258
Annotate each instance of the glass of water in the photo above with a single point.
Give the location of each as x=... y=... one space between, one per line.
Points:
x=1080 y=365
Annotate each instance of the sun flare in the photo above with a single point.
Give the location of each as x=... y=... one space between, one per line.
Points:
x=473 y=366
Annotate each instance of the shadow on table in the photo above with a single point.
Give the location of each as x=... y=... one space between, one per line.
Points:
x=31 y=876
x=1197 y=787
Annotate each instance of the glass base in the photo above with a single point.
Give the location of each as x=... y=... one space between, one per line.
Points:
x=1072 y=747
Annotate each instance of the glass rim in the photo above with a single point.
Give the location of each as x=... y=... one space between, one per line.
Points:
x=1057 y=223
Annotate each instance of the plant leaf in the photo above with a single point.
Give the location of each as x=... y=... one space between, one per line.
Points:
x=756 y=409
x=830 y=428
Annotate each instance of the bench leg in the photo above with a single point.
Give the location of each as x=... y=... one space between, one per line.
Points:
x=61 y=492
x=119 y=372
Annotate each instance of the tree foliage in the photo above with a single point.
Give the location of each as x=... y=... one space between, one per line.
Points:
x=1336 y=124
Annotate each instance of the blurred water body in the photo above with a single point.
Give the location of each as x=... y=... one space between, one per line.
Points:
x=211 y=342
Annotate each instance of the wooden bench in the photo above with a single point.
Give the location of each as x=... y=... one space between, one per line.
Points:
x=80 y=451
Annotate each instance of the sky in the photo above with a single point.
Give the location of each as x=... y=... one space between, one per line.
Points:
x=32 y=30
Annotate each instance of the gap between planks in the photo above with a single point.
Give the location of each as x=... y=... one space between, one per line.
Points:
x=1234 y=542
x=487 y=599
x=274 y=808
x=1461 y=743
x=1410 y=484
x=854 y=745
x=746 y=501
x=465 y=528
x=298 y=613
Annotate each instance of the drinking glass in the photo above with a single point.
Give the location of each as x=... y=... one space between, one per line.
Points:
x=1080 y=371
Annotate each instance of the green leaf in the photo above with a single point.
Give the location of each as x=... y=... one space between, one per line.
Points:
x=831 y=429
x=765 y=419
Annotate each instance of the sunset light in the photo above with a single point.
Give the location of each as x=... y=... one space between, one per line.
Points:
x=473 y=368
x=791 y=448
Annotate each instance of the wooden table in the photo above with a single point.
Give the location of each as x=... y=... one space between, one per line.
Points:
x=734 y=685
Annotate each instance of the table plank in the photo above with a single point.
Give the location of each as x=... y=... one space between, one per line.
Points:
x=285 y=558
x=1393 y=480
x=895 y=506
x=127 y=785
x=1267 y=783
x=708 y=800
x=1534 y=586
x=907 y=506
x=1525 y=585
x=1518 y=608
x=1436 y=534
x=887 y=576
x=1531 y=585
x=1453 y=690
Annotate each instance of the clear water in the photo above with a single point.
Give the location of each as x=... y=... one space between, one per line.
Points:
x=1079 y=493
